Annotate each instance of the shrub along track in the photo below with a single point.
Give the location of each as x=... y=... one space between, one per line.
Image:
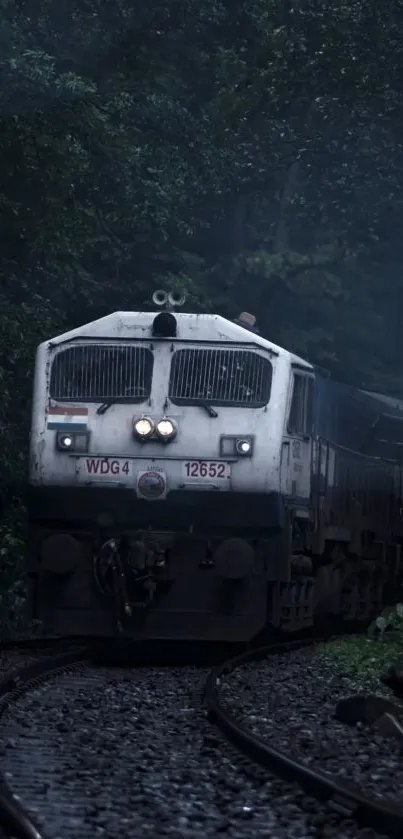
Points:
x=78 y=661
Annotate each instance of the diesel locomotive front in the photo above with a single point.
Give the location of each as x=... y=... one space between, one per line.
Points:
x=191 y=480
x=155 y=503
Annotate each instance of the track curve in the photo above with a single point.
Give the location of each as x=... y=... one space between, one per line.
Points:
x=339 y=797
x=346 y=804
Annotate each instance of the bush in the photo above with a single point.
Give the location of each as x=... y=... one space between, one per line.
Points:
x=13 y=588
x=391 y=619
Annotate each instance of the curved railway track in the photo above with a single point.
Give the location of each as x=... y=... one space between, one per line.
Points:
x=78 y=662
x=380 y=815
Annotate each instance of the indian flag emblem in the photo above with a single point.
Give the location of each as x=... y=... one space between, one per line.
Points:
x=67 y=418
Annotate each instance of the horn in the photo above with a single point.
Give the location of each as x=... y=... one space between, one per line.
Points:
x=175 y=298
x=160 y=297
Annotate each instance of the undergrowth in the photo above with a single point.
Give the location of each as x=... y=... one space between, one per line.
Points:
x=13 y=589
x=361 y=660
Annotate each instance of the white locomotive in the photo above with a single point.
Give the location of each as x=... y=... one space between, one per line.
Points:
x=190 y=479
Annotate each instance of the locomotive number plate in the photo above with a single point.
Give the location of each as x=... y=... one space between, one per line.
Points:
x=207 y=469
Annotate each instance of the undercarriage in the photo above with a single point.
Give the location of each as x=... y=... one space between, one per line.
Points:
x=217 y=569
x=148 y=584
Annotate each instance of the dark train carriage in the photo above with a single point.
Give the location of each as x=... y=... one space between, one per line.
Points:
x=356 y=497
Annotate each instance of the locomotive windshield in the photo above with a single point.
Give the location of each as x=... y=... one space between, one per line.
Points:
x=232 y=377
x=100 y=373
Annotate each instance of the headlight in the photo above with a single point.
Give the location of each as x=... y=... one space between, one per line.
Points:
x=166 y=429
x=74 y=442
x=143 y=427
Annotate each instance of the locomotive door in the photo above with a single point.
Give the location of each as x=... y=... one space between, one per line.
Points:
x=298 y=438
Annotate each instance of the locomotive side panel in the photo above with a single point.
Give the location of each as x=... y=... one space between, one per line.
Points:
x=356 y=503
x=345 y=531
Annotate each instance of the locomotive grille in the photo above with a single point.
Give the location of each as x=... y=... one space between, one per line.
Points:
x=222 y=377
x=95 y=373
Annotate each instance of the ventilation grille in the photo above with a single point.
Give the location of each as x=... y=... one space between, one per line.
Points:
x=94 y=373
x=220 y=377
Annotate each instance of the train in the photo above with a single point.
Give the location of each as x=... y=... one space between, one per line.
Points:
x=191 y=480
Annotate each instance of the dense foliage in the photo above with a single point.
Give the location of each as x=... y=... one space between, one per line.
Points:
x=250 y=153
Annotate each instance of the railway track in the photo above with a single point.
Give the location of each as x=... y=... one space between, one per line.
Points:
x=73 y=671
x=339 y=797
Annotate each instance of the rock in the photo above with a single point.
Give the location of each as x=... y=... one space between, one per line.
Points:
x=388 y=726
x=393 y=679
x=365 y=709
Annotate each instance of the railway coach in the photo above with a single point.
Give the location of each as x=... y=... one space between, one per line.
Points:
x=190 y=479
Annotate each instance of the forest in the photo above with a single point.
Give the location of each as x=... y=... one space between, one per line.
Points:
x=249 y=153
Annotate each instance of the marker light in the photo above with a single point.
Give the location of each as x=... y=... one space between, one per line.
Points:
x=65 y=441
x=77 y=441
x=232 y=445
x=243 y=446
x=143 y=427
x=166 y=429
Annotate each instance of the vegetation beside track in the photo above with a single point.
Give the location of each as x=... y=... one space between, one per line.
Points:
x=361 y=660
x=12 y=578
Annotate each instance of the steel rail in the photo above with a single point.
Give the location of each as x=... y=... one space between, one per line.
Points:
x=382 y=816
x=13 y=815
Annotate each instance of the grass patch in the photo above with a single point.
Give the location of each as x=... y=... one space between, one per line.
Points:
x=360 y=661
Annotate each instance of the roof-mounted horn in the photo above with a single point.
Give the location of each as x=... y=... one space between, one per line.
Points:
x=170 y=300
x=160 y=297
x=175 y=299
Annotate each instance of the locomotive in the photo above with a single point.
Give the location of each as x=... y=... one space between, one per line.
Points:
x=190 y=479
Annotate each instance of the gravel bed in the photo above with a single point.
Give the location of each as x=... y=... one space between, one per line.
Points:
x=289 y=701
x=114 y=753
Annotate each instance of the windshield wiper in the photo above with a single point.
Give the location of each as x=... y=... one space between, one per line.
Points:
x=113 y=400
x=209 y=408
x=102 y=409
